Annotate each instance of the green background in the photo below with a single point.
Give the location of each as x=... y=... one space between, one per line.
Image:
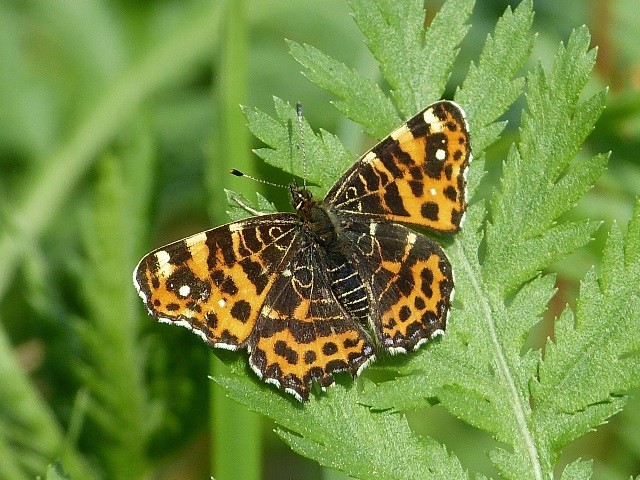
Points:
x=109 y=106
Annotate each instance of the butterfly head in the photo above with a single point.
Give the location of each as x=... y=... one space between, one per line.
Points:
x=300 y=197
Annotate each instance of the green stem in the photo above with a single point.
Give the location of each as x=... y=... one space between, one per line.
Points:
x=503 y=368
x=235 y=430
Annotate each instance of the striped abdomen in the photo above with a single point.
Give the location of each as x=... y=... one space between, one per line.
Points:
x=348 y=287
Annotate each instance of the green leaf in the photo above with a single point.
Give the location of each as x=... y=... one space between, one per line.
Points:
x=240 y=207
x=55 y=472
x=480 y=370
x=490 y=87
x=345 y=435
x=578 y=470
x=594 y=357
x=416 y=62
x=361 y=100
x=113 y=366
x=295 y=148
x=541 y=183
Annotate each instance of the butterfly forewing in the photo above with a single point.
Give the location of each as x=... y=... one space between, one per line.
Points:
x=416 y=175
x=215 y=282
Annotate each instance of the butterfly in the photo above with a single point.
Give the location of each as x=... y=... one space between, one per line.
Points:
x=322 y=289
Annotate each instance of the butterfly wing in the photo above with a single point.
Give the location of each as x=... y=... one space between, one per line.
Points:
x=408 y=276
x=215 y=282
x=416 y=175
x=303 y=334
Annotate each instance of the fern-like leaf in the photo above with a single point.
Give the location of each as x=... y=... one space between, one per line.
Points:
x=594 y=357
x=480 y=370
x=342 y=434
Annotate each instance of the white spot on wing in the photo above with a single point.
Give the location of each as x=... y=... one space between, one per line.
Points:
x=294 y=393
x=187 y=325
x=398 y=132
x=164 y=263
x=433 y=191
x=437 y=333
x=366 y=363
x=434 y=122
x=256 y=370
x=163 y=257
x=441 y=154
x=196 y=239
x=396 y=350
x=372 y=228
x=222 y=302
x=137 y=285
x=422 y=341
x=369 y=157
x=184 y=291
x=272 y=381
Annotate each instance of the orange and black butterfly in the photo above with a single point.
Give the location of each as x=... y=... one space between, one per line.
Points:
x=319 y=290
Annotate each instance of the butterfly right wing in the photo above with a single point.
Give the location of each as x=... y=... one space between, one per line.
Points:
x=408 y=276
x=416 y=175
x=215 y=282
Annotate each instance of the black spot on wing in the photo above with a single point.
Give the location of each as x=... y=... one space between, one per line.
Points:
x=430 y=210
x=282 y=349
x=393 y=200
x=241 y=310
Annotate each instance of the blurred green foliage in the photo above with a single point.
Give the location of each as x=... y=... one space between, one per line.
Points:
x=118 y=123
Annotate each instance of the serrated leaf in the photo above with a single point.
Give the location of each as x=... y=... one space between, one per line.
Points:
x=480 y=370
x=594 y=357
x=578 y=470
x=379 y=445
x=295 y=148
x=490 y=87
x=55 y=472
x=532 y=193
x=416 y=62
x=361 y=100
x=241 y=207
x=112 y=370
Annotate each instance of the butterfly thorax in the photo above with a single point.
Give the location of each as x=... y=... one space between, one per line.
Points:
x=316 y=219
x=322 y=227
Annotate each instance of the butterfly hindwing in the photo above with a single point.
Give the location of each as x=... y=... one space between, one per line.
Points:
x=215 y=282
x=410 y=278
x=416 y=175
x=303 y=333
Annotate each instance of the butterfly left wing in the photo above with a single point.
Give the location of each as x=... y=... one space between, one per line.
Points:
x=215 y=282
x=416 y=175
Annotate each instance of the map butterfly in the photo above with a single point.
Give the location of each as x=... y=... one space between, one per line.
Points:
x=320 y=290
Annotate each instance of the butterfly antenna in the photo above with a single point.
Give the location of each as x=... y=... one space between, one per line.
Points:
x=238 y=173
x=302 y=146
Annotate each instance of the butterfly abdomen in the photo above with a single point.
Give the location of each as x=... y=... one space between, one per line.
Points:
x=347 y=286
